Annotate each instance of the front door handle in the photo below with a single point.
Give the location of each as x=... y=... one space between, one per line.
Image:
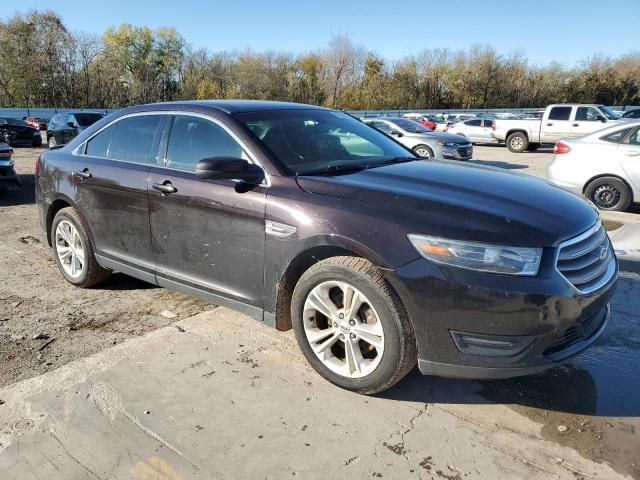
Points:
x=632 y=153
x=549 y=124
x=575 y=124
x=83 y=174
x=165 y=187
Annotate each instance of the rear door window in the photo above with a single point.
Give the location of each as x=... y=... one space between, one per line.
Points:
x=473 y=123
x=132 y=139
x=560 y=113
x=193 y=139
x=98 y=146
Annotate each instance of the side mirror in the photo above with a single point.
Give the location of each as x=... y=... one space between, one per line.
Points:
x=602 y=118
x=229 y=168
x=396 y=133
x=71 y=124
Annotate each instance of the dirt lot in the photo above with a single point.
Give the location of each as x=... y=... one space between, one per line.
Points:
x=44 y=321
x=589 y=405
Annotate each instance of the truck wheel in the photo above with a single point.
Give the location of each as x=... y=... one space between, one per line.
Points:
x=517 y=142
x=351 y=326
x=73 y=251
x=423 y=151
x=609 y=193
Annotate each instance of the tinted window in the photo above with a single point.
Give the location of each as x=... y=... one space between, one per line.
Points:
x=86 y=119
x=98 y=146
x=634 y=139
x=616 y=137
x=409 y=125
x=70 y=119
x=473 y=123
x=132 y=139
x=382 y=126
x=488 y=123
x=587 y=114
x=193 y=139
x=632 y=113
x=560 y=113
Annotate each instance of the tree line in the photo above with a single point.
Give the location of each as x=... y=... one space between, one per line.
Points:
x=44 y=64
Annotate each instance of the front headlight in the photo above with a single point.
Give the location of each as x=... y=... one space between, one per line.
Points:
x=447 y=144
x=478 y=256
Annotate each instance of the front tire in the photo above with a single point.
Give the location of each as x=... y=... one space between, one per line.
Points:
x=53 y=143
x=73 y=250
x=423 y=151
x=609 y=193
x=351 y=326
x=517 y=142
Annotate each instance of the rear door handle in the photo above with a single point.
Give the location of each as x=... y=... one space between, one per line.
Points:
x=549 y=124
x=165 y=187
x=83 y=174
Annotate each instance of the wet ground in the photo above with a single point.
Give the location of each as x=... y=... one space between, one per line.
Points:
x=590 y=404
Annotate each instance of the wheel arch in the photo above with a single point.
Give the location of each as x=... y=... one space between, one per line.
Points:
x=62 y=201
x=306 y=258
x=516 y=130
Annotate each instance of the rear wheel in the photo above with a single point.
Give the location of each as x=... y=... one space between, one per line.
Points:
x=73 y=250
x=609 y=193
x=517 y=142
x=351 y=326
x=423 y=151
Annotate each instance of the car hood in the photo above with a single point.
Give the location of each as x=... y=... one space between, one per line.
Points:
x=443 y=137
x=469 y=202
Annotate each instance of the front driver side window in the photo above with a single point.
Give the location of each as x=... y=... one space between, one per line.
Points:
x=193 y=139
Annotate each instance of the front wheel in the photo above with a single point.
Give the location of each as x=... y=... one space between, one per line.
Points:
x=423 y=151
x=517 y=142
x=53 y=143
x=351 y=326
x=609 y=193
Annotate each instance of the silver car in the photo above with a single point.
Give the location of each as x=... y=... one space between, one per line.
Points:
x=478 y=130
x=604 y=166
x=421 y=140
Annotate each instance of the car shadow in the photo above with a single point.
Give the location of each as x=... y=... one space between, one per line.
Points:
x=19 y=195
x=498 y=164
x=121 y=282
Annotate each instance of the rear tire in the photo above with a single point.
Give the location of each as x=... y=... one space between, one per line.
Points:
x=517 y=142
x=609 y=193
x=73 y=250
x=383 y=344
x=423 y=151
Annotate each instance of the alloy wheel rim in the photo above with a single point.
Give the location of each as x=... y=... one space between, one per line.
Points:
x=516 y=143
x=70 y=249
x=606 y=196
x=423 y=152
x=52 y=142
x=343 y=329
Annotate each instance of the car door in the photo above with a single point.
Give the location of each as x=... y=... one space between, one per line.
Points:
x=207 y=235
x=487 y=130
x=473 y=130
x=69 y=129
x=111 y=180
x=629 y=155
x=587 y=120
x=557 y=125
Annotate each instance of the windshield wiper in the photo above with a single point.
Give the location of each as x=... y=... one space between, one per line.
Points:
x=391 y=161
x=336 y=169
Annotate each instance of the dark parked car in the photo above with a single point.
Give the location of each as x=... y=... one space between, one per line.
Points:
x=7 y=173
x=63 y=127
x=635 y=113
x=306 y=217
x=19 y=133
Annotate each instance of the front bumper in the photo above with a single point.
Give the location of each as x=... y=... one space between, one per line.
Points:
x=458 y=153
x=546 y=314
x=8 y=174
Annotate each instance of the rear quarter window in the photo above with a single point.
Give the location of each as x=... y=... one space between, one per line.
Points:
x=616 y=137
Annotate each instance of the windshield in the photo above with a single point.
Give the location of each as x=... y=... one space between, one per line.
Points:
x=86 y=119
x=321 y=140
x=610 y=114
x=409 y=125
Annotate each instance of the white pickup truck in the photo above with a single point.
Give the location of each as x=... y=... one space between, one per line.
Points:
x=558 y=121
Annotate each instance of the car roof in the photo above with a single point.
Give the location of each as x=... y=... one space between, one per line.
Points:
x=227 y=106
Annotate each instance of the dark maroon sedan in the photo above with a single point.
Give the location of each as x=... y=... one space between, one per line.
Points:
x=306 y=217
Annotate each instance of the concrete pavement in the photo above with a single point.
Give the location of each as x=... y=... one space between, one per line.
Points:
x=222 y=396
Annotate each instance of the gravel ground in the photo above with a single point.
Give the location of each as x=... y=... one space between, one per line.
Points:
x=45 y=322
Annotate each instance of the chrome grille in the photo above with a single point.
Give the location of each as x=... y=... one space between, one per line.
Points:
x=582 y=330
x=587 y=261
x=465 y=151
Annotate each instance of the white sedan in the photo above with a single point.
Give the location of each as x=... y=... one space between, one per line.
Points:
x=477 y=130
x=604 y=166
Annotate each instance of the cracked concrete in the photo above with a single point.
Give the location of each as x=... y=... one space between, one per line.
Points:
x=230 y=398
